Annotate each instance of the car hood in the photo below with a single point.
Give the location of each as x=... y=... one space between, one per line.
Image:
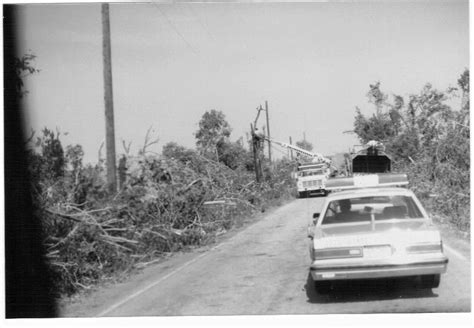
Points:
x=388 y=232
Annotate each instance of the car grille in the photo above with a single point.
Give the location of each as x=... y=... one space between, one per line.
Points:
x=312 y=183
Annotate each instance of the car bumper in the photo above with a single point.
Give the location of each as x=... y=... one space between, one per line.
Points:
x=382 y=270
x=313 y=191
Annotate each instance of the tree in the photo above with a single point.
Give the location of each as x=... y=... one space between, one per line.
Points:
x=463 y=83
x=234 y=155
x=427 y=139
x=377 y=97
x=23 y=68
x=305 y=145
x=51 y=159
x=213 y=129
x=178 y=152
x=406 y=130
x=382 y=125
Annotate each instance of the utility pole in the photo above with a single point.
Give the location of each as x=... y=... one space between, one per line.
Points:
x=268 y=134
x=291 y=151
x=108 y=100
x=256 y=147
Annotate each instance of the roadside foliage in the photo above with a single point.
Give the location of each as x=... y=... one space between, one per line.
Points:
x=166 y=203
x=428 y=138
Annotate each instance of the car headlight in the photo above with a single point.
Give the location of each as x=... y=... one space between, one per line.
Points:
x=335 y=253
x=425 y=248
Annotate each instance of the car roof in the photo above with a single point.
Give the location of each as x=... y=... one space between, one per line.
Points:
x=365 y=192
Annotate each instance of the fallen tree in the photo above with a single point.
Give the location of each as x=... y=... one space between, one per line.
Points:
x=165 y=204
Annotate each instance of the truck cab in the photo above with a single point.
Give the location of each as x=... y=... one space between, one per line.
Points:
x=311 y=179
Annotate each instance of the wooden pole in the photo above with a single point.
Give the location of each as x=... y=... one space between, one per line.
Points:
x=108 y=100
x=268 y=134
x=256 y=157
x=291 y=151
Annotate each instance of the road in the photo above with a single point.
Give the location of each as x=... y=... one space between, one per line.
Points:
x=263 y=269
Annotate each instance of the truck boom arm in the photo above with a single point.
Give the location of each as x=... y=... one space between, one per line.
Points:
x=301 y=151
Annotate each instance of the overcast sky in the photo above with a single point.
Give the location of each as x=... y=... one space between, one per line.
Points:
x=313 y=62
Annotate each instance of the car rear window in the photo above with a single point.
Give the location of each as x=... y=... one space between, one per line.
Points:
x=361 y=209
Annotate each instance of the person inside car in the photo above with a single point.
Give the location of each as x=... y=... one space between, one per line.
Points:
x=345 y=214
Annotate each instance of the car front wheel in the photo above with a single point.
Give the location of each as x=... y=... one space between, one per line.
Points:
x=430 y=281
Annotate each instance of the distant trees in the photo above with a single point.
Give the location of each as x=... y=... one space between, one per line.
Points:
x=213 y=129
x=180 y=153
x=427 y=138
x=411 y=128
x=234 y=155
x=213 y=141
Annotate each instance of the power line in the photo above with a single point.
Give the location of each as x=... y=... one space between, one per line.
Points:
x=204 y=26
x=175 y=29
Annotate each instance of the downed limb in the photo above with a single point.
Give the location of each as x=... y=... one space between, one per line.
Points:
x=117 y=245
x=144 y=264
x=82 y=212
x=155 y=233
x=64 y=215
x=191 y=184
x=218 y=202
x=65 y=239
x=119 y=239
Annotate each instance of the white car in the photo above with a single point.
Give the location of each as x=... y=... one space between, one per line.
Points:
x=372 y=232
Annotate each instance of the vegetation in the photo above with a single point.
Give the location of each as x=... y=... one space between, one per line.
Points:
x=23 y=68
x=429 y=140
x=169 y=202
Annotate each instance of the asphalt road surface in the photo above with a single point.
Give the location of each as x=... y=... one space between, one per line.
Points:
x=264 y=269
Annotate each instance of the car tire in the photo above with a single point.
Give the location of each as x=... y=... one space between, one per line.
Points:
x=430 y=281
x=302 y=194
x=323 y=287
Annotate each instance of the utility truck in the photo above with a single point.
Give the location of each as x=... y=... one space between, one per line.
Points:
x=312 y=172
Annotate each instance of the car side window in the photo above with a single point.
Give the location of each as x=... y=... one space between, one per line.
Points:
x=332 y=210
x=331 y=214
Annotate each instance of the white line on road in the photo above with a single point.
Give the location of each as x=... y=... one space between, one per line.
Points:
x=141 y=291
x=455 y=252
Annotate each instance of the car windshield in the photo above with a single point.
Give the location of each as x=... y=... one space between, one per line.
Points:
x=312 y=172
x=361 y=209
